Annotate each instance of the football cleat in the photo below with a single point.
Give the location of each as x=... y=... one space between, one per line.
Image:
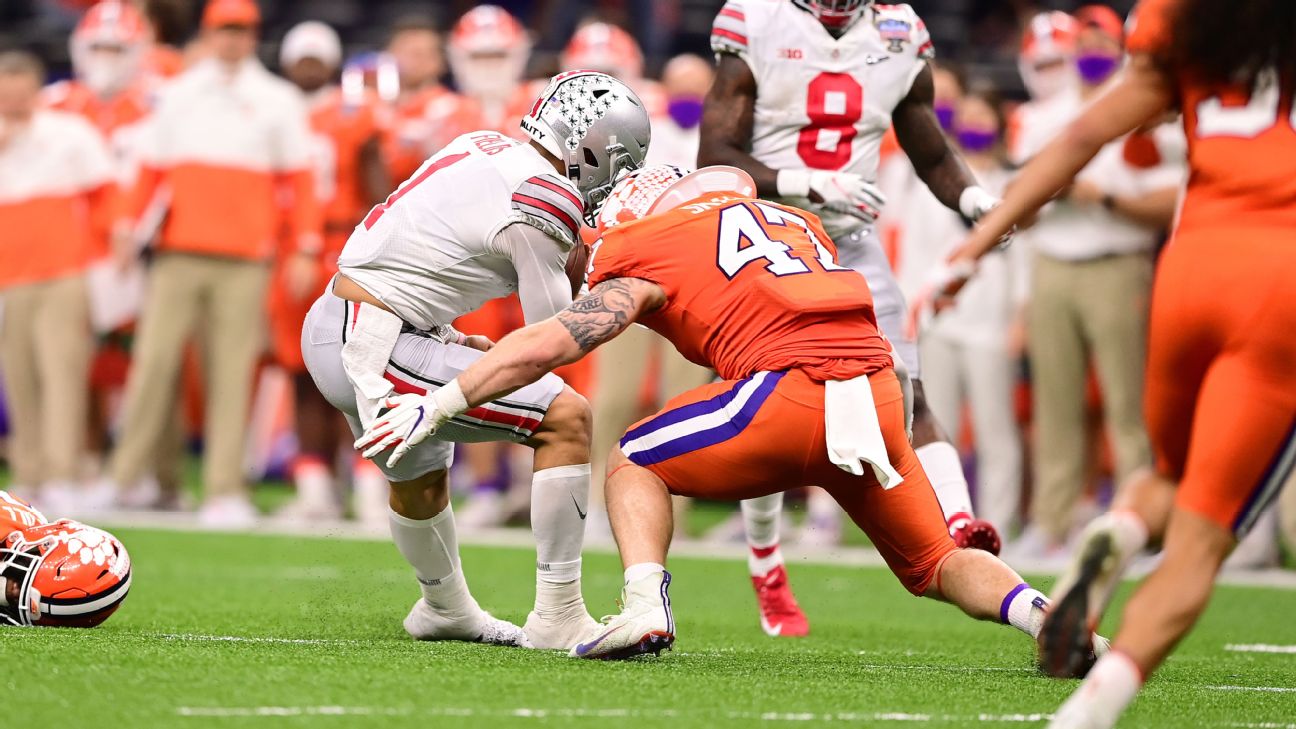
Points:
x=1068 y=646
x=780 y=615
x=425 y=623
x=645 y=625
x=977 y=534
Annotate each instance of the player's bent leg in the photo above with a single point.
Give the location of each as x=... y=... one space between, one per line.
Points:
x=639 y=508
x=559 y=504
x=780 y=615
x=422 y=526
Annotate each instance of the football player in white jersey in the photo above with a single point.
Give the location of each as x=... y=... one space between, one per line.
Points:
x=804 y=92
x=485 y=216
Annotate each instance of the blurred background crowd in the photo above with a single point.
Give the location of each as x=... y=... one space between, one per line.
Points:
x=159 y=248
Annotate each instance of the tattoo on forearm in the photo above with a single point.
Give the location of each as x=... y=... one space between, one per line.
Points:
x=605 y=313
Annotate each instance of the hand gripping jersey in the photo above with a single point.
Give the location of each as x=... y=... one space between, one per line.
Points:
x=16 y=515
x=823 y=103
x=751 y=286
x=432 y=251
x=1241 y=142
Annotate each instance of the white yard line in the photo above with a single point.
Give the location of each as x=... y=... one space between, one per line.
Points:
x=243 y=712
x=187 y=637
x=1260 y=648
x=1259 y=689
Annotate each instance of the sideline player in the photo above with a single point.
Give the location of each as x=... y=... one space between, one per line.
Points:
x=804 y=92
x=350 y=176
x=1220 y=400
x=753 y=290
x=59 y=574
x=486 y=216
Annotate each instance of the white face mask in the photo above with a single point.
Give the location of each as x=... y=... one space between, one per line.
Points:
x=106 y=74
x=1048 y=82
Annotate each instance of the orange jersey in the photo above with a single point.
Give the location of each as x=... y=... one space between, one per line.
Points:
x=422 y=124
x=1241 y=143
x=751 y=286
x=345 y=127
x=16 y=515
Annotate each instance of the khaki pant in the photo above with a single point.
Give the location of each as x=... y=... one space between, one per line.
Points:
x=45 y=345
x=226 y=296
x=1082 y=311
x=621 y=367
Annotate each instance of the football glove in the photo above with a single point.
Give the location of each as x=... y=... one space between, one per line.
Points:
x=839 y=192
x=404 y=421
x=975 y=203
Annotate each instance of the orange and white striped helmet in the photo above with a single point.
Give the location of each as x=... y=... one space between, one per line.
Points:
x=1050 y=36
x=605 y=47
x=658 y=188
x=108 y=46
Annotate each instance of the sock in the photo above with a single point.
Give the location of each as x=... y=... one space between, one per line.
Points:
x=432 y=549
x=761 y=517
x=1131 y=533
x=1023 y=608
x=371 y=491
x=313 y=480
x=1111 y=685
x=944 y=469
x=559 y=505
x=642 y=570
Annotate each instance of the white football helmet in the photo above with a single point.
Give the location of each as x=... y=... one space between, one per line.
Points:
x=596 y=126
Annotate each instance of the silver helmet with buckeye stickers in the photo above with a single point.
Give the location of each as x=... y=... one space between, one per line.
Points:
x=596 y=126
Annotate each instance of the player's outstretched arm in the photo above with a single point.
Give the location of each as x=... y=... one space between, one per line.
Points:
x=728 y=117
x=529 y=353
x=1141 y=93
x=934 y=158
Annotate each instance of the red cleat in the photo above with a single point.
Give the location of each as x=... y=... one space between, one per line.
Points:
x=977 y=534
x=780 y=616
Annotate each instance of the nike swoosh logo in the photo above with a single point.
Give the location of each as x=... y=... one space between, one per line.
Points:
x=583 y=648
x=774 y=630
x=875 y=60
x=578 y=509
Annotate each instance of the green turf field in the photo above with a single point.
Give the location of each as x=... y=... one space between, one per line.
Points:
x=272 y=631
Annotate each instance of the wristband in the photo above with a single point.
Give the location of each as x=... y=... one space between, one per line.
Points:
x=793 y=183
x=975 y=202
x=450 y=399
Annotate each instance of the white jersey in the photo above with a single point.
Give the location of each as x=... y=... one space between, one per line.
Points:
x=482 y=218
x=823 y=103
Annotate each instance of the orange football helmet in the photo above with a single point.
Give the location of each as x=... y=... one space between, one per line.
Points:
x=108 y=46
x=605 y=48
x=488 y=52
x=658 y=188
x=1048 y=45
x=67 y=574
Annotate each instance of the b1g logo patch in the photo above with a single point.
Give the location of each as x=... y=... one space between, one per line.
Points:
x=895 y=33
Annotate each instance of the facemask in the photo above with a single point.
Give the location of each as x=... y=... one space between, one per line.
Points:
x=1095 y=68
x=106 y=74
x=945 y=115
x=976 y=140
x=1047 y=83
x=686 y=111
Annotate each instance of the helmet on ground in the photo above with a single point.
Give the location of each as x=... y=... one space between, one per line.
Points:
x=596 y=126
x=659 y=188
x=67 y=574
x=834 y=13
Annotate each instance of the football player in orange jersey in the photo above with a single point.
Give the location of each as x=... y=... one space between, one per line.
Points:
x=350 y=178
x=1220 y=401
x=753 y=290
x=806 y=92
x=426 y=115
x=63 y=574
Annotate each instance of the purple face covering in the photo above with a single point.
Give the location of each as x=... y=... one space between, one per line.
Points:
x=976 y=140
x=945 y=115
x=685 y=110
x=1095 y=68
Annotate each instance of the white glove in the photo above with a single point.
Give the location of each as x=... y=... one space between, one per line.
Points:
x=975 y=203
x=406 y=420
x=842 y=192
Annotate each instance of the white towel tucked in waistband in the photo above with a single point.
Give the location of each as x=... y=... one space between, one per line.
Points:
x=853 y=433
